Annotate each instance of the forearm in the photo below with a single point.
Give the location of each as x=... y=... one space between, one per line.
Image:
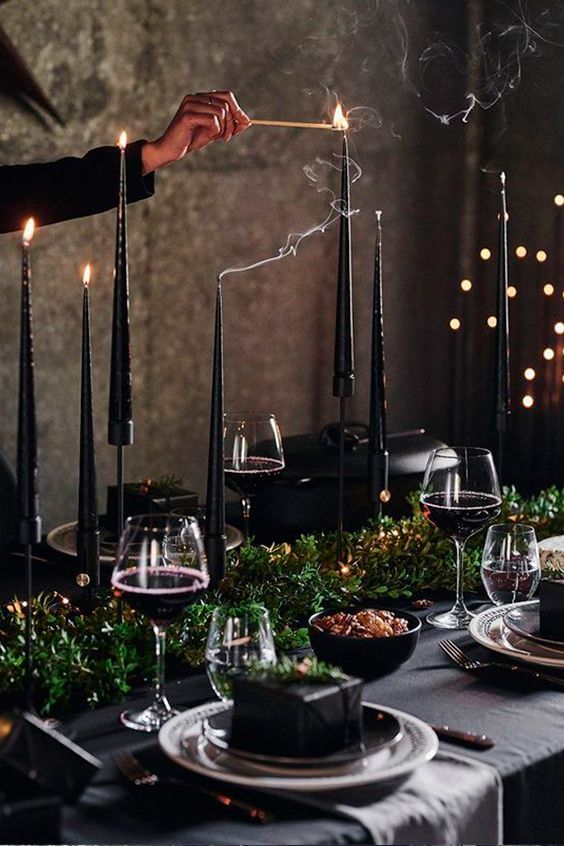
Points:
x=71 y=187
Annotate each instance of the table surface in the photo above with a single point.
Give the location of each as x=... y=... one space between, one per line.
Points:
x=524 y=718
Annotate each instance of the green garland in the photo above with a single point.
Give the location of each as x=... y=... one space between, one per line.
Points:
x=94 y=659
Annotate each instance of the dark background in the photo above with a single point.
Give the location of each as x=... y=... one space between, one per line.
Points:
x=113 y=65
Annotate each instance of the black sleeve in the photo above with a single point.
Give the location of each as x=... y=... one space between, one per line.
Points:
x=70 y=187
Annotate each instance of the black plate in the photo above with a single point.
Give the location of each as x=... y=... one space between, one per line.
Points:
x=381 y=729
x=525 y=621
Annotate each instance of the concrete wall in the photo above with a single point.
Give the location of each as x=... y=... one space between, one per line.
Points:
x=110 y=64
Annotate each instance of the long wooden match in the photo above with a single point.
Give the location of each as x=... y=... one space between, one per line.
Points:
x=293 y=123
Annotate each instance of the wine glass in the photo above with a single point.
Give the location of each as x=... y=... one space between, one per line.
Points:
x=253 y=452
x=510 y=563
x=237 y=640
x=460 y=495
x=160 y=568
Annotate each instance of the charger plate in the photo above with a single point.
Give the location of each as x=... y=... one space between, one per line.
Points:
x=183 y=741
x=489 y=629
x=63 y=539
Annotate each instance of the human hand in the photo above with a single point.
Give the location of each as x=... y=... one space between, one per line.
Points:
x=201 y=119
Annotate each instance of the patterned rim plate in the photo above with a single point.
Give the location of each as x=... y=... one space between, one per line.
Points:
x=525 y=621
x=490 y=630
x=182 y=740
x=63 y=539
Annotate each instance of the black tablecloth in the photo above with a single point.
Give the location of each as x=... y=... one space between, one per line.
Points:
x=525 y=719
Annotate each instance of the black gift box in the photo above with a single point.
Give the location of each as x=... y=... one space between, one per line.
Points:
x=135 y=501
x=296 y=719
x=32 y=753
x=551 y=608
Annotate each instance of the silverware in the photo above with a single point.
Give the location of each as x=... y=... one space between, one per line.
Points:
x=464 y=738
x=132 y=770
x=466 y=663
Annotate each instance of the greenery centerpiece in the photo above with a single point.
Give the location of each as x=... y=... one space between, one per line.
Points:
x=86 y=660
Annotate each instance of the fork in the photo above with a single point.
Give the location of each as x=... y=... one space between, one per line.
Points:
x=133 y=771
x=466 y=663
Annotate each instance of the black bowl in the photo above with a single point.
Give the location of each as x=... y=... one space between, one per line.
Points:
x=364 y=657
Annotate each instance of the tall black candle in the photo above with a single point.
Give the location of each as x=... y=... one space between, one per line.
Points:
x=215 y=503
x=88 y=534
x=343 y=368
x=27 y=469
x=29 y=521
x=502 y=395
x=377 y=453
x=120 y=417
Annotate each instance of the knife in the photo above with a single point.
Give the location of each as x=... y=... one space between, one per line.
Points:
x=464 y=738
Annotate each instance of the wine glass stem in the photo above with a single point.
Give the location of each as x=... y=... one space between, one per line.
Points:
x=459 y=544
x=160 y=652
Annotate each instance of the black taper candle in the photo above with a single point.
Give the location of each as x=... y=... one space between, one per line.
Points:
x=120 y=416
x=88 y=533
x=502 y=394
x=29 y=521
x=378 y=459
x=215 y=503
x=343 y=368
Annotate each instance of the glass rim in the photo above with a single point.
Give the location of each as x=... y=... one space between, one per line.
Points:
x=471 y=450
x=261 y=611
x=136 y=520
x=250 y=416
x=511 y=528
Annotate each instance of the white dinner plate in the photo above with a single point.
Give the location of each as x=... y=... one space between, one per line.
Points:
x=490 y=630
x=182 y=740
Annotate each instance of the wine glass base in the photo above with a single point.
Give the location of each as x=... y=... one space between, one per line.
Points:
x=456 y=618
x=151 y=718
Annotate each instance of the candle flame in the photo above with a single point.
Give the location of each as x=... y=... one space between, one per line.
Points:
x=29 y=230
x=122 y=142
x=86 y=276
x=339 y=119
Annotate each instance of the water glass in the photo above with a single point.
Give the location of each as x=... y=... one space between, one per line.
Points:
x=510 y=563
x=235 y=643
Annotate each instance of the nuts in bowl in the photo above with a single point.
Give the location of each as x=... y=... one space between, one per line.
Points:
x=364 y=641
x=366 y=623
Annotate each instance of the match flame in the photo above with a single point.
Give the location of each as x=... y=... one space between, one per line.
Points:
x=86 y=276
x=339 y=119
x=122 y=142
x=29 y=230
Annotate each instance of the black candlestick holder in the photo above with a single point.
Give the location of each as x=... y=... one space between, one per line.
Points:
x=29 y=535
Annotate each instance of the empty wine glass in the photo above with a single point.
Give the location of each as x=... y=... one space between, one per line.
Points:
x=253 y=452
x=237 y=641
x=160 y=568
x=510 y=563
x=460 y=495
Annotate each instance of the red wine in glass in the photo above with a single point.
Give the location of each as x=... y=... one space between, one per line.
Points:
x=247 y=475
x=160 y=593
x=460 y=516
x=460 y=495
x=160 y=568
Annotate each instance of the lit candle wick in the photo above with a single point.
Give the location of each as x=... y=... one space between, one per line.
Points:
x=28 y=231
